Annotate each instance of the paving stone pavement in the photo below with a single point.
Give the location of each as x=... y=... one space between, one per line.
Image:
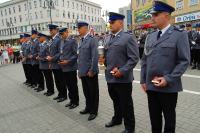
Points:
x=22 y=110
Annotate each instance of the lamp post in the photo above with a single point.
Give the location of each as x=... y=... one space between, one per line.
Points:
x=49 y=4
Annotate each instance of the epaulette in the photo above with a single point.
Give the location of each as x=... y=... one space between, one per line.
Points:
x=130 y=33
x=150 y=32
x=91 y=36
x=177 y=29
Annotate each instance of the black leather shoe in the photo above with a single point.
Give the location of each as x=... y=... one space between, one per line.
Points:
x=61 y=99
x=45 y=93
x=32 y=86
x=68 y=105
x=56 y=98
x=127 y=131
x=36 y=89
x=194 y=67
x=73 y=106
x=29 y=85
x=40 y=89
x=112 y=124
x=83 y=112
x=49 y=94
x=92 y=117
x=25 y=83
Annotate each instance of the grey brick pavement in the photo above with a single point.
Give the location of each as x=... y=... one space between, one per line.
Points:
x=24 y=111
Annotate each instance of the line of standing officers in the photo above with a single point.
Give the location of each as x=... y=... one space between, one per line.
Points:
x=56 y=59
x=166 y=57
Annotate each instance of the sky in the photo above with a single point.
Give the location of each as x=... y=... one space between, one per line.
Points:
x=110 y=5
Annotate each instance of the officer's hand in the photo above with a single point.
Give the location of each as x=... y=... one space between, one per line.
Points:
x=64 y=62
x=116 y=73
x=90 y=74
x=23 y=59
x=162 y=82
x=37 y=58
x=49 y=58
x=30 y=56
x=144 y=87
x=101 y=60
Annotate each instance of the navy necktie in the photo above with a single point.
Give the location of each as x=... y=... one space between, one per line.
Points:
x=112 y=36
x=159 y=33
x=82 y=39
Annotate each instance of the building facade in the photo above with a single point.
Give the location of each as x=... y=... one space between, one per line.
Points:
x=19 y=16
x=187 y=11
x=126 y=11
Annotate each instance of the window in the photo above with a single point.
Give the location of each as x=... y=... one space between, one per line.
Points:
x=72 y=5
x=193 y=2
x=36 y=16
x=40 y=3
x=2 y=22
x=68 y=15
x=20 y=18
x=1 y=13
x=5 y=12
x=81 y=7
x=73 y=17
x=179 y=4
x=64 y=15
x=10 y=20
x=15 y=20
x=63 y=3
x=68 y=4
x=13 y=9
x=9 y=11
x=41 y=14
x=35 y=4
x=77 y=6
x=16 y=31
x=30 y=6
x=25 y=7
x=19 y=8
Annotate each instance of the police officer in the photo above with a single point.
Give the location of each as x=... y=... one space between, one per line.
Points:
x=68 y=63
x=166 y=58
x=53 y=59
x=44 y=64
x=197 y=53
x=22 y=42
x=88 y=70
x=141 y=41
x=38 y=78
x=192 y=35
x=26 y=60
x=121 y=56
